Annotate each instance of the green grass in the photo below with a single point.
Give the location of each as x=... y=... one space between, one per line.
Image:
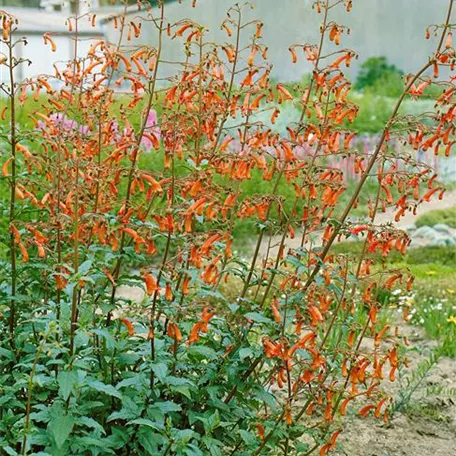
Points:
x=434 y=308
x=445 y=216
x=433 y=298
x=429 y=412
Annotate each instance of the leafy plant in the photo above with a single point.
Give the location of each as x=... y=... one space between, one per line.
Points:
x=220 y=354
x=376 y=71
x=414 y=381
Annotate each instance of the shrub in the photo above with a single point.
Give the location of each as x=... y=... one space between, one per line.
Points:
x=439 y=216
x=375 y=71
x=222 y=355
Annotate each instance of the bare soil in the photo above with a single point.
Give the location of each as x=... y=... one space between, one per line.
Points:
x=425 y=427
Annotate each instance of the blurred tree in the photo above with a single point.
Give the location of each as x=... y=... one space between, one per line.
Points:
x=377 y=70
x=23 y=3
x=74 y=6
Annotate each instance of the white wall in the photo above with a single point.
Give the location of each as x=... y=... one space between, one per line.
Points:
x=394 y=28
x=42 y=57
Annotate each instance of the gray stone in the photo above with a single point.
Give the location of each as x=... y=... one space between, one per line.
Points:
x=426 y=231
x=443 y=228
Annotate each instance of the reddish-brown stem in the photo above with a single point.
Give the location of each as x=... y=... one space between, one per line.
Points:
x=28 y=407
x=152 y=86
x=12 y=208
x=364 y=177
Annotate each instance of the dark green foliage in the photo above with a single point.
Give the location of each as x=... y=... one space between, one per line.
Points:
x=104 y=399
x=377 y=70
x=23 y=3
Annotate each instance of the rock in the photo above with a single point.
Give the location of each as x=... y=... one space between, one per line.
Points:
x=440 y=234
x=445 y=241
x=443 y=228
x=426 y=232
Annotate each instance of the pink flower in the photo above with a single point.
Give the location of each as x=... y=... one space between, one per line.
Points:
x=152 y=128
x=68 y=125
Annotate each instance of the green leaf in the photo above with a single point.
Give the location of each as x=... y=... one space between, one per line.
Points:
x=107 y=336
x=193 y=450
x=86 y=442
x=245 y=352
x=182 y=389
x=136 y=381
x=265 y=396
x=85 y=267
x=212 y=422
x=293 y=261
x=61 y=428
x=234 y=307
x=90 y=423
x=202 y=352
x=302 y=447
x=7 y=355
x=213 y=446
x=150 y=441
x=248 y=437
x=257 y=317
x=185 y=435
x=161 y=371
x=107 y=389
x=146 y=422
x=168 y=406
x=66 y=381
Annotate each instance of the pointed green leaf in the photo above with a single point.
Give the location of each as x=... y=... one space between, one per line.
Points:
x=61 y=428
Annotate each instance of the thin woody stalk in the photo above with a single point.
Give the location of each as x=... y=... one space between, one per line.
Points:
x=12 y=207
x=152 y=86
x=28 y=407
x=347 y=210
x=231 y=84
x=364 y=177
x=59 y=164
x=74 y=301
x=376 y=153
x=300 y=123
x=75 y=293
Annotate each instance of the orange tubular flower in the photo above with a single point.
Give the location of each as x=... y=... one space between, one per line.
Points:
x=260 y=430
x=48 y=39
x=174 y=332
x=151 y=284
x=315 y=315
x=129 y=325
x=294 y=57
x=5 y=166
